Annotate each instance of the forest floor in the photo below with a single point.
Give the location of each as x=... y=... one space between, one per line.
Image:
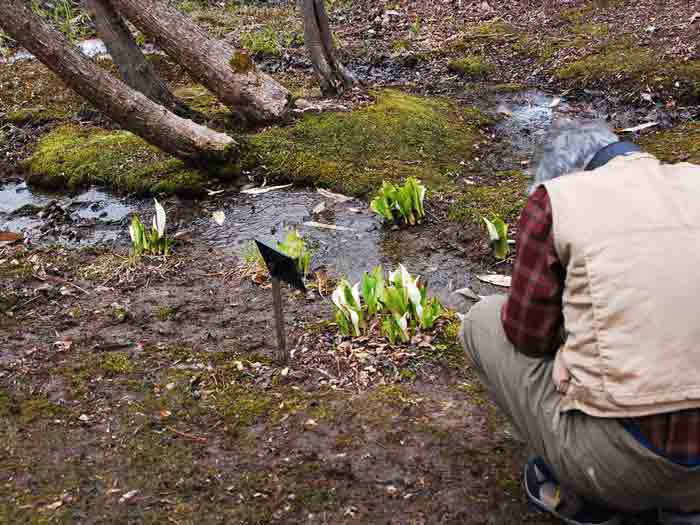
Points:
x=146 y=390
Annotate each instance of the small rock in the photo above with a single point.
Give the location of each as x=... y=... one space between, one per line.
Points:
x=84 y=418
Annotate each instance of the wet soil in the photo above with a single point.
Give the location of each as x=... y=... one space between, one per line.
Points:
x=146 y=391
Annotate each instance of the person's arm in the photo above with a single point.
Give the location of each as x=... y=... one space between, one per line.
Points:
x=532 y=317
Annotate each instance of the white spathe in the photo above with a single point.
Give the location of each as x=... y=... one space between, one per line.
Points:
x=159 y=219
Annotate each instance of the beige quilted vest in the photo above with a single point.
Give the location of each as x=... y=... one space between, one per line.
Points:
x=628 y=235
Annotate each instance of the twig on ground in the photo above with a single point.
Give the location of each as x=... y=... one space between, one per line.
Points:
x=185 y=435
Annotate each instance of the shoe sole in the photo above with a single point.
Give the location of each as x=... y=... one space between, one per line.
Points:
x=543 y=508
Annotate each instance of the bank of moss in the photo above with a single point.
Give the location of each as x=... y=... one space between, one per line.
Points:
x=71 y=157
x=504 y=198
x=475 y=66
x=34 y=115
x=36 y=408
x=676 y=145
x=398 y=136
x=625 y=61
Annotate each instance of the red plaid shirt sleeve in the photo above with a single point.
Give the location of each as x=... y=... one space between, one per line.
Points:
x=532 y=317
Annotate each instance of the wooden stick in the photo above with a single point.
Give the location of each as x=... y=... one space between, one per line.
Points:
x=282 y=355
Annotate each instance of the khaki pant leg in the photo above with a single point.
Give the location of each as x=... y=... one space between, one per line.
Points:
x=595 y=458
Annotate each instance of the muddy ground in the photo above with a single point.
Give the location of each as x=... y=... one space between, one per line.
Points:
x=146 y=390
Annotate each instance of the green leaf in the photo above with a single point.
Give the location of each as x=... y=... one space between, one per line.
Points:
x=294 y=247
x=498 y=235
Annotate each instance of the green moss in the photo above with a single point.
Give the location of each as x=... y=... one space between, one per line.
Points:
x=492 y=30
x=680 y=144
x=590 y=31
x=38 y=408
x=261 y=42
x=16 y=268
x=402 y=44
x=190 y=6
x=541 y=47
x=407 y=375
x=624 y=61
x=394 y=395
x=5 y=405
x=447 y=348
x=36 y=115
x=115 y=364
x=241 y=63
x=72 y=157
x=473 y=66
x=164 y=313
x=242 y=406
x=504 y=199
x=621 y=59
x=399 y=136
x=198 y=98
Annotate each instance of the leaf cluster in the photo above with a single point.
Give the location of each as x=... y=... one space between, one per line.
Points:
x=400 y=202
x=398 y=304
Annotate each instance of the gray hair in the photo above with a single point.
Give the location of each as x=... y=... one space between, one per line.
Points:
x=568 y=147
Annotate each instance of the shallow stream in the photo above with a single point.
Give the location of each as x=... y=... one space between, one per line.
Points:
x=346 y=238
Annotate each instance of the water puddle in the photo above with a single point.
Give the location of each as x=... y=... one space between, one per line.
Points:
x=528 y=116
x=90 y=217
x=347 y=238
x=360 y=242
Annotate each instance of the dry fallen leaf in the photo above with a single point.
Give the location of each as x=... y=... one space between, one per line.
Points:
x=323 y=226
x=694 y=17
x=555 y=102
x=468 y=293
x=10 y=236
x=53 y=506
x=129 y=495
x=335 y=196
x=258 y=191
x=495 y=279
x=646 y=125
x=62 y=346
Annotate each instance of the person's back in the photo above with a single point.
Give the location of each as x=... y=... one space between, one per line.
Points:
x=595 y=354
x=628 y=237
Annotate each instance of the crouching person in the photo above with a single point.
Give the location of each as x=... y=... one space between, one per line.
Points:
x=595 y=354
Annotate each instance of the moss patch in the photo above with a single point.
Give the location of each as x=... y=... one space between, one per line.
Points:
x=505 y=199
x=242 y=406
x=37 y=115
x=399 y=136
x=72 y=157
x=473 y=66
x=624 y=60
x=677 y=145
x=393 y=395
x=38 y=408
x=117 y=363
x=241 y=63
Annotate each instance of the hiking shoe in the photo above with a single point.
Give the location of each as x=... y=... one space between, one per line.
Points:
x=667 y=517
x=544 y=492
